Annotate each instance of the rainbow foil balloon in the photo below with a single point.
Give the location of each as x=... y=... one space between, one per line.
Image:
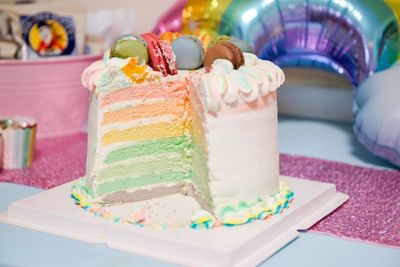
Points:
x=354 y=38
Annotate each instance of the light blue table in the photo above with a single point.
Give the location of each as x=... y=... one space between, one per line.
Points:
x=327 y=140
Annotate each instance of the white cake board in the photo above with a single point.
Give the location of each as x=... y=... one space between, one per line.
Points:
x=54 y=212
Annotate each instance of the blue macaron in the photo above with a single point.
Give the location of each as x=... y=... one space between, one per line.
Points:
x=189 y=52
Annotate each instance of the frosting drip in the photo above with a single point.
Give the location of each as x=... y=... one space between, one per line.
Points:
x=224 y=84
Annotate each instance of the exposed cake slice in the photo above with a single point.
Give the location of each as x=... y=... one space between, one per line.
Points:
x=140 y=141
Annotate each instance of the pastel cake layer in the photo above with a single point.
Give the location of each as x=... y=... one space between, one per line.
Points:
x=140 y=142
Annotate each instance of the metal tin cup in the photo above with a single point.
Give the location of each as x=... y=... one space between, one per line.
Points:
x=18 y=134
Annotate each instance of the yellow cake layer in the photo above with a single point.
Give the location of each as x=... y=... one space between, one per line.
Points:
x=145 y=132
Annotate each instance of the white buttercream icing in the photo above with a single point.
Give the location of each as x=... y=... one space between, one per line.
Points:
x=106 y=74
x=223 y=83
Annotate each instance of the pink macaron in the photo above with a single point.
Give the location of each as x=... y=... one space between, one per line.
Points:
x=162 y=57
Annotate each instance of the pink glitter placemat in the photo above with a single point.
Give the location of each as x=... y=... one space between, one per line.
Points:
x=372 y=214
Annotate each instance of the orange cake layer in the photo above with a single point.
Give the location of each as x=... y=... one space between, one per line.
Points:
x=156 y=90
x=145 y=110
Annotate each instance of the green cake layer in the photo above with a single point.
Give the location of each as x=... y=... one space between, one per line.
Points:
x=145 y=180
x=147 y=148
x=157 y=163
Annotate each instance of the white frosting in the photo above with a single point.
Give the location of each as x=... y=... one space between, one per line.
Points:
x=106 y=75
x=243 y=155
x=223 y=84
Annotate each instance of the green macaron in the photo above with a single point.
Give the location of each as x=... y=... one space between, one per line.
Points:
x=244 y=46
x=130 y=46
x=219 y=39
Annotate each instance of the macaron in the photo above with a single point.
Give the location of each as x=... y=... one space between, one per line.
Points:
x=162 y=58
x=130 y=36
x=130 y=46
x=244 y=46
x=224 y=50
x=189 y=52
x=220 y=39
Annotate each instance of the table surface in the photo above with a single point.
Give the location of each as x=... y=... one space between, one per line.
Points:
x=313 y=138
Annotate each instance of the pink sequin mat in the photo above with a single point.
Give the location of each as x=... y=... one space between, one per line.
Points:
x=372 y=214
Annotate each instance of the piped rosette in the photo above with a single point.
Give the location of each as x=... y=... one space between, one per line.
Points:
x=261 y=208
x=225 y=84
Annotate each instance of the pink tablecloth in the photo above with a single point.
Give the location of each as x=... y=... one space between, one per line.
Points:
x=372 y=214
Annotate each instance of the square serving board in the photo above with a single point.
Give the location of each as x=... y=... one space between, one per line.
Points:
x=53 y=211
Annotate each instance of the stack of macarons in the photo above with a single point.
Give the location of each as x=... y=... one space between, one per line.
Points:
x=147 y=48
x=173 y=51
x=194 y=51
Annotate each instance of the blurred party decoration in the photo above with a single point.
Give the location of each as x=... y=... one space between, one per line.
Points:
x=1 y=151
x=18 y=136
x=172 y=20
x=11 y=43
x=352 y=38
x=48 y=34
x=395 y=6
x=48 y=90
x=377 y=114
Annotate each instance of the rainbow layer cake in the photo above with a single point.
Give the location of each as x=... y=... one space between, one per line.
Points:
x=184 y=115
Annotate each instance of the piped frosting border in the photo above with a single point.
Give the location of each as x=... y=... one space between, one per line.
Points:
x=262 y=208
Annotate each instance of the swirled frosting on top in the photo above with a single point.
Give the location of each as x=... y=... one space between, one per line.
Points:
x=224 y=84
x=221 y=85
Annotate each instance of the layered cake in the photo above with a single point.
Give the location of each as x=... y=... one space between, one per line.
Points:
x=185 y=115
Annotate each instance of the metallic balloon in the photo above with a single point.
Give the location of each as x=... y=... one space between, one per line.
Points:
x=351 y=37
x=204 y=16
x=377 y=114
x=395 y=6
x=172 y=20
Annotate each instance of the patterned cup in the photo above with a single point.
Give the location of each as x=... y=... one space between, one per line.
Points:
x=18 y=142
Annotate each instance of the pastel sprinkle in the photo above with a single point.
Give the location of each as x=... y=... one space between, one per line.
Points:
x=243 y=213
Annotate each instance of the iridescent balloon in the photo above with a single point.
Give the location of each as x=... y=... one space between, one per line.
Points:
x=204 y=16
x=377 y=114
x=353 y=38
x=395 y=7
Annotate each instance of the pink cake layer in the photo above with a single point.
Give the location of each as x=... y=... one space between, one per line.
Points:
x=173 y=90
x=153 y=90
